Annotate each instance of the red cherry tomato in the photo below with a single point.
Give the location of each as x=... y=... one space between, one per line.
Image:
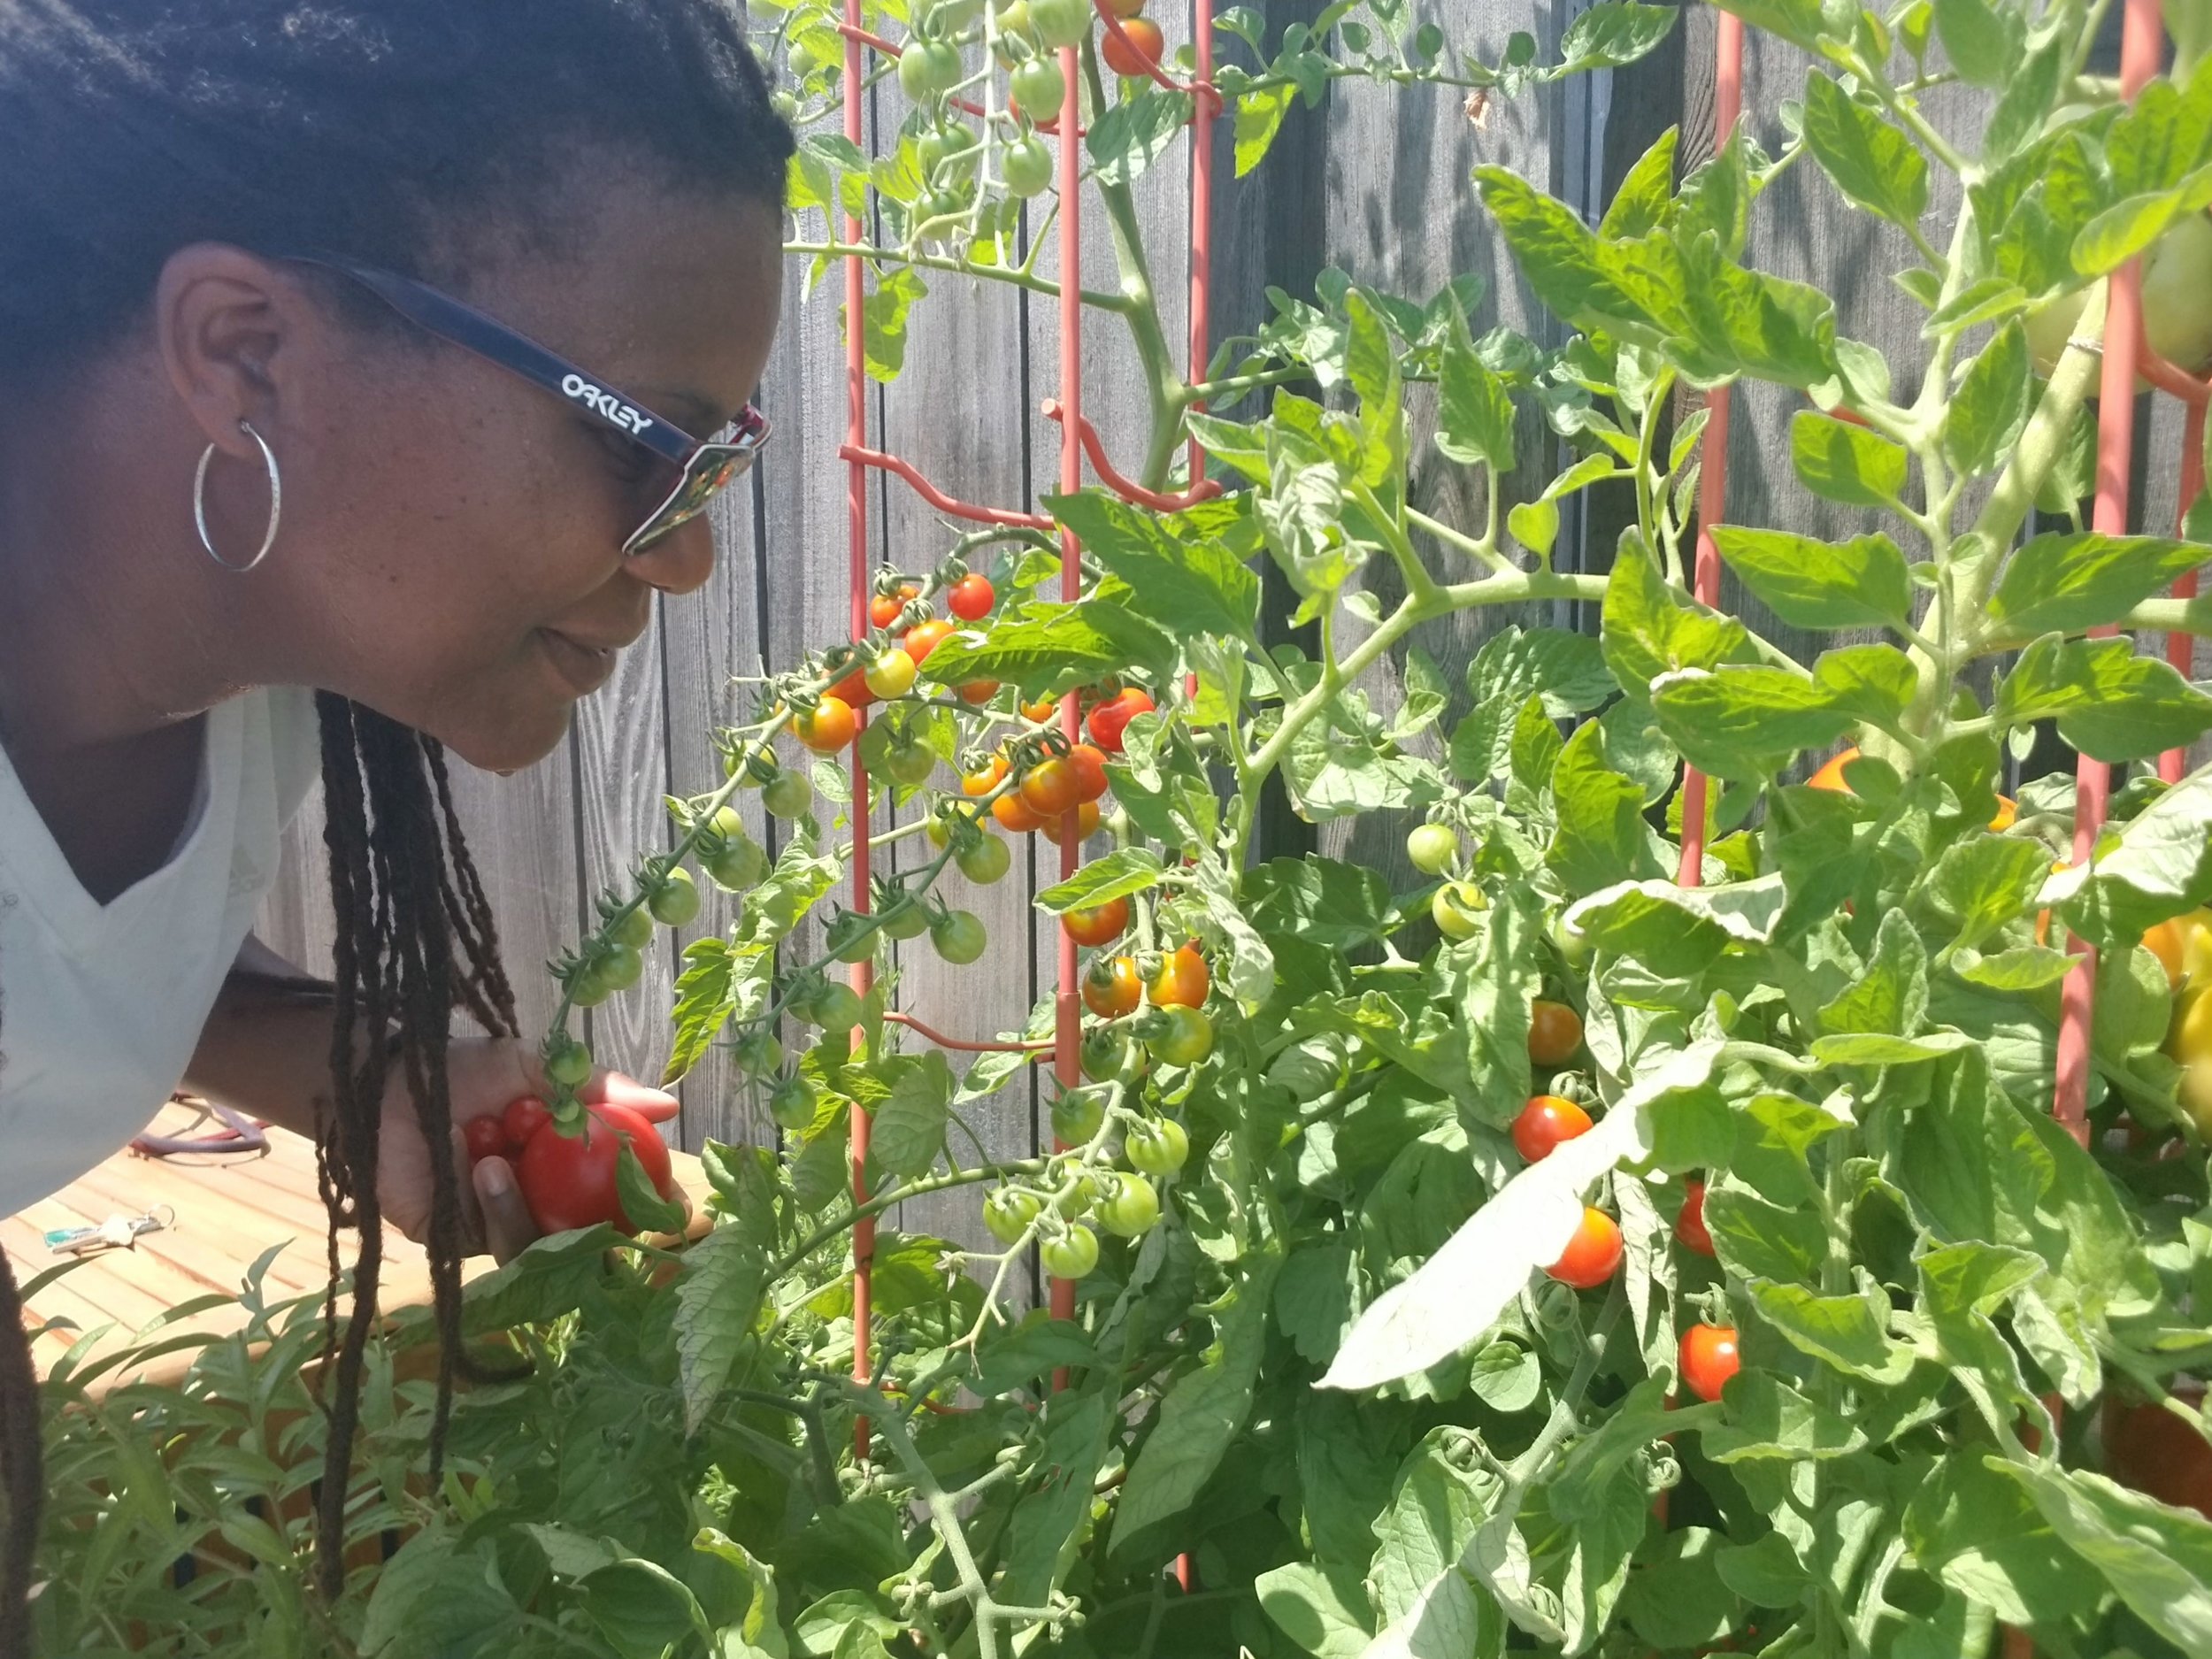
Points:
x=1085 y=824
x=1544 y=1123
x=571 y=1183
x=972 y=597
x=487 y=1138
x=1709 y=1359
x=1555 y=1031
x=884 y=610
x=1593 y=1254
x=924 y=638
x=1099 y=923
x=1111 y=717
x=853 y=691
x=1111 y=988
x=1144 y=36
x=523 y=1119
x=978 y=691
x=1089 y=766
x=829 y=726
x=1689 y=1227
x=1183 y=979
x=1051 y=787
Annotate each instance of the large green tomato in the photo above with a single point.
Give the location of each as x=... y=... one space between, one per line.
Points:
x=2176 y=303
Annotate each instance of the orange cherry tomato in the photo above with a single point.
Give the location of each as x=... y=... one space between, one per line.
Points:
x=1089 y=766
x=1183 y=979
x=1593 y=1254
x=829 y=726
x=985 y=779
x=1545 y=1122
x=924 y=638
x=1097 y=924
x=2008 y=815
x=1013 y=814
x=1085 y=824
x=1830 y=774
x=1555 y=1031
x=1051 y=787
x=884 y=610
x=978 y=691
x=1111 y=988
x=1689 y=1227
x=1144 y=36
x=1709 y=1359
x=1038 y=712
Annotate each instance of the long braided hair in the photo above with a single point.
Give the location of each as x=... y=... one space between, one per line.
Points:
x=376 y=129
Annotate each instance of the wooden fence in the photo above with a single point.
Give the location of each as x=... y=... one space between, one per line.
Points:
x=1374 y=181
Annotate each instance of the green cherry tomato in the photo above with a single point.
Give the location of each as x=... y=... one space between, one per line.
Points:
x=635 y=929
x=1072 y=1254
x=891 y=674
x=1039 y=90
x=1158 y=1146
x=620 y=968
x=910 y=763
x=836 y=1009
x=986 y=861
x=1009 y=1210
x=792 y=1104
x=788 y=796
x=1028 y=166
x=927 y=68
x=676 y=901
x=1129 y=1208
x=907 y=920
x=1104 y=1053
x=1186 y=1038
x=567 y=1063
x=1454 y=907
x=959 y=936
x=1061 y=22
x=587 y=987
x=759 y=1053
x=726 y=824
x=738 y=867
x=1433 y=849
x=801 y=61
x=852 y=937
x=1077 y=1116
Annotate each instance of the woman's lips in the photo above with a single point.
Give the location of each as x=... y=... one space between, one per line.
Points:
x=584 y=667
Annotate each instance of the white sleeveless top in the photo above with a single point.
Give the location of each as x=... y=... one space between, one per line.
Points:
x=102 y=1005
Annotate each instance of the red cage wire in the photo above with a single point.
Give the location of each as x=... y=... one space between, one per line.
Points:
x=2127 y=353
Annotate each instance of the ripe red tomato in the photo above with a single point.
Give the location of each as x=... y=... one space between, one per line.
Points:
x=924 y=638
x=1555 y=1031
x=1099 y=923
x=884 y=610
x=1183 y=979
x=571 y=1183
x=1709 y=1359
x=972 y=597
x=486 y=1137
x=1111 y=717
x=1013 y=814
x=1143 y=35
x=829 y=726
x=978 y=691
x=1051 y=787
x=523 y=1119
x=853 y=691
x=1111 y=988
x=1545 y=1121
x=1689 y=1227
x=1593 y=1254
x=1089 y=766
x=1085 y=824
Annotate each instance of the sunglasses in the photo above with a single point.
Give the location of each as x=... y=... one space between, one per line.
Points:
x=703 y=469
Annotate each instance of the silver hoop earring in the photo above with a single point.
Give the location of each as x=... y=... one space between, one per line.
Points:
x=276 y=502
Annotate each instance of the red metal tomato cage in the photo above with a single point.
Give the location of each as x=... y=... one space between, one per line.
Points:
x=2126 y=353
x=1078 y=443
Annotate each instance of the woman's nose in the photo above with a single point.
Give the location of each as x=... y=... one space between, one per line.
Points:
x=679 y=562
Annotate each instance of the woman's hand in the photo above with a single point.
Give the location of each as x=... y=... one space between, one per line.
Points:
x=483 y=1074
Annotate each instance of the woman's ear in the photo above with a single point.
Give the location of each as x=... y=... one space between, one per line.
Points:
x=223 y=319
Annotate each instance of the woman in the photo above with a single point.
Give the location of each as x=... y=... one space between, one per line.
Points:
x=355 y=356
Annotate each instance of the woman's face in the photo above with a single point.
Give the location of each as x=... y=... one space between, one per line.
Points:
x=450 y=552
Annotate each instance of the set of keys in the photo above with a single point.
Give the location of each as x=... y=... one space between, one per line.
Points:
x=115 y=1233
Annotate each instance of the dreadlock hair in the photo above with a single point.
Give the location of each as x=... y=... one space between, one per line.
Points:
x=381 y=130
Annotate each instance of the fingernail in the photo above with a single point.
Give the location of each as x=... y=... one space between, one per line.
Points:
x=493 y=1178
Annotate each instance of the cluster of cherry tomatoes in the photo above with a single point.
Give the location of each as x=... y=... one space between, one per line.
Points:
x=571 y=1181
x=1125 y=1202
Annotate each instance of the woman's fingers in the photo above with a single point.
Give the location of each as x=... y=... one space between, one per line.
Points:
x=613 y=1088
x=507 y=1227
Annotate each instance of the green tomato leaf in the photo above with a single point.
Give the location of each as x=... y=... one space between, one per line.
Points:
x=1986 y=880
x=1650 y=628
x=717 y=1297
x=1742 y=722
x=1843 y=463
x=2157 y=1559
x=1980 y=1534
x=1983 y=42
x=1322 y=1609
x=1259 y=118
x=1677 y=932
x=641 y=1203
x=2066 y=583
x=1991 y=408
x=1186 y=573
x=2159 y=865
x=1474 y=415
x=1120 y=874
x=1050 y=647
x=1769 y=1421
x=2108 y=702
x=1870 y=158
x=1601 y=837
x=907 y=1132
x=1848 y=1332
x=1812 y=584
x=1891 y=995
